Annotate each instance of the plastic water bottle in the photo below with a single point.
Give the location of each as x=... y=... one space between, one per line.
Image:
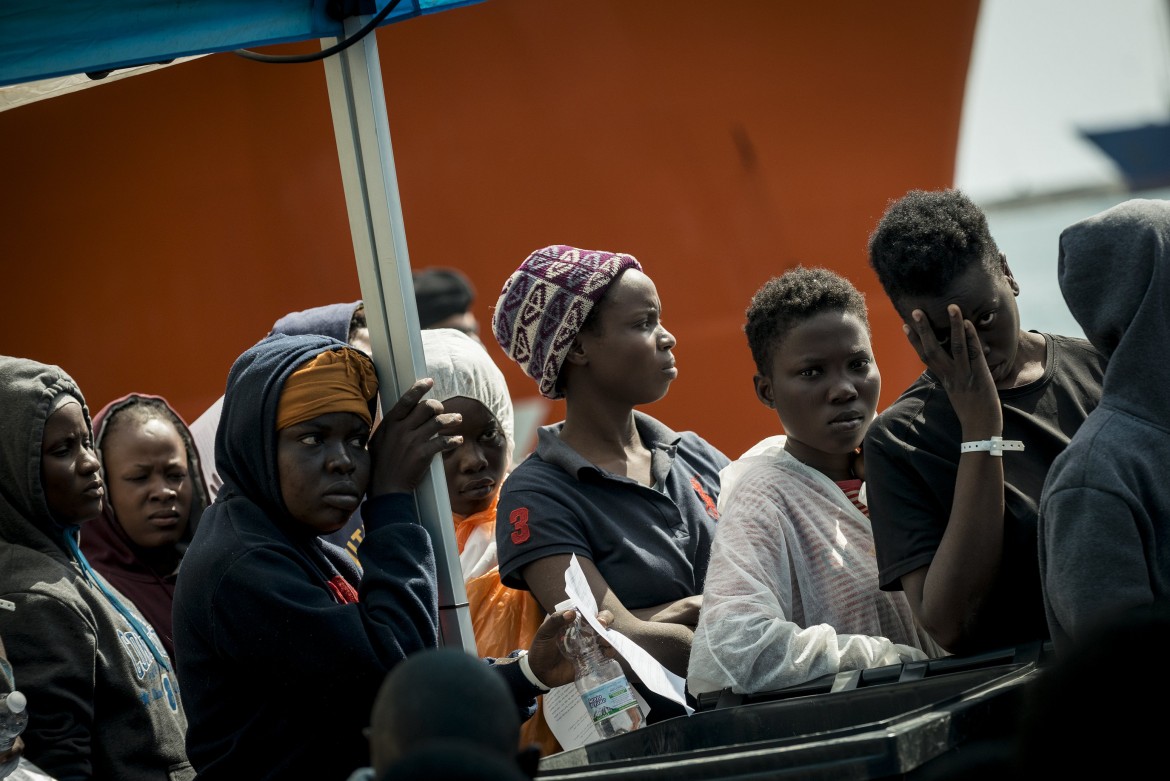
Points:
x=13 y=719
x=607 y=694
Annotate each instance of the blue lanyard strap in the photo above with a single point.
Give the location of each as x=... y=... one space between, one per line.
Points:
x=71 y=541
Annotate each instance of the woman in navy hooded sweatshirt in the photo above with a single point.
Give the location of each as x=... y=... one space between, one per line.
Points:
x=343 y=322
x=280 y=650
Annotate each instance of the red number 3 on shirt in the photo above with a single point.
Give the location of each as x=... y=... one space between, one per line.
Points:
x=519 y=521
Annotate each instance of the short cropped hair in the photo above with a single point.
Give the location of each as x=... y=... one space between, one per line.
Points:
x=925 y=240
x=786 y=301
x=442 y=694
x=440 y=293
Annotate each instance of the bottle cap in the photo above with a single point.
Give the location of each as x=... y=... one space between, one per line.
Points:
x=16 y=702
x=568 y=604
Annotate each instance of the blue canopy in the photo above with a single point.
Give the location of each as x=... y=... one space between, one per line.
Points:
x=40 y=40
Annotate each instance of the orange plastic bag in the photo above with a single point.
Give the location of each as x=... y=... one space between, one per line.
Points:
x=504 y=620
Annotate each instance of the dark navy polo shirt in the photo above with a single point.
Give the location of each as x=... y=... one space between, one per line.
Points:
x=650 y=544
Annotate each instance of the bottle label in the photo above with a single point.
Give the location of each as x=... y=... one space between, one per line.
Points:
x=609 y=699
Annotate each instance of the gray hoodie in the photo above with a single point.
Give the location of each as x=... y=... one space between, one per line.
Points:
x=1105 y=510
x=102 y=698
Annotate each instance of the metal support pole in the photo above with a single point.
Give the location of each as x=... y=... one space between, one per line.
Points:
x=358 y=105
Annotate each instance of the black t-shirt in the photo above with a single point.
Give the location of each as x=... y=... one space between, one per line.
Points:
x=650 y=544
x=911 y=462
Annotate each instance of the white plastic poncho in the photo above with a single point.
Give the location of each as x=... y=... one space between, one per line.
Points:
x=792 y=586
x=460 y=366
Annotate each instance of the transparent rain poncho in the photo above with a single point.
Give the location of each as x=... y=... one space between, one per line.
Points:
x=792 y=587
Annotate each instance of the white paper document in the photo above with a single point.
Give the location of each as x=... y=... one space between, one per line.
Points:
x=569 y=719
x=563 y=710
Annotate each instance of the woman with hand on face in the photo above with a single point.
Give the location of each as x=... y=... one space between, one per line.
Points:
x=632 y=499
x=103 y=702
x=281 y=650
x=959 y=460
x=155 y=494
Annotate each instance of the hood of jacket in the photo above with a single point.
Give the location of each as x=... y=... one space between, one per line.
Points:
x=246 y=440
x=28 y=393
x=1114 y=272
x=460 y=366
x=331 y=320
x=104 y=540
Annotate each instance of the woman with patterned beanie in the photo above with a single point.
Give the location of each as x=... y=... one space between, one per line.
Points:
x=632 y=499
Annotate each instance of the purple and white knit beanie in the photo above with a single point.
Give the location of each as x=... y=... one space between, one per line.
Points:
x=545 y=302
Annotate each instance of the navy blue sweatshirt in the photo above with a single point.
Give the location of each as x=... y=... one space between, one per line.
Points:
x=278 y=677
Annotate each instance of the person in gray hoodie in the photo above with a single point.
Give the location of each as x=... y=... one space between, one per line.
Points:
x=103 y=698
x=1104 y=522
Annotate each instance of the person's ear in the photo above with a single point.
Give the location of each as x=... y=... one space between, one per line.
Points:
x=763 y=386
x=576 y=355
x=1007 y=272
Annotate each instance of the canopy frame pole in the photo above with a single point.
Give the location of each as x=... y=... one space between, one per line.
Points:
x=358 y=105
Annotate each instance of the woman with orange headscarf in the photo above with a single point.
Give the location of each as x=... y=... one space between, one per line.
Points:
x=280 y=646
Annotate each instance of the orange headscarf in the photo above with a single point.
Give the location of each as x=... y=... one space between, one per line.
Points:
x=341 y=380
